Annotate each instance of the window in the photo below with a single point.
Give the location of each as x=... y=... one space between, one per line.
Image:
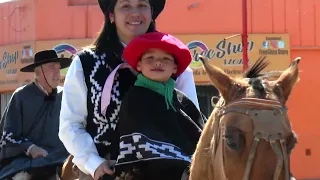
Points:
x=4 y=100
x=205 y=93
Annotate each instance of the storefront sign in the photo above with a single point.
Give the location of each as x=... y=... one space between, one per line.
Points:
x=11 y=60
x=27 y=55
x=8 y=58
x=14 y=57
x=227 y=54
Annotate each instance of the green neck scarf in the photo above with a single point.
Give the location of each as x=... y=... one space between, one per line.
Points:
x=165 y=89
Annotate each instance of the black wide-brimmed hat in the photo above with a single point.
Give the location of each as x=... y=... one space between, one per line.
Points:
x=44 y=57
x=157 y=6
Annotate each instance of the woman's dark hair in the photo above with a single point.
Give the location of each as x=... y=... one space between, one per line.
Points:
x=108 y=39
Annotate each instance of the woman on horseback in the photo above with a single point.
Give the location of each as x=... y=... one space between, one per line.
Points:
x=96 y=83
x=159 y=126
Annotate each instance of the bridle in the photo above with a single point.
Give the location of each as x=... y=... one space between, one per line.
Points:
x=269 y=123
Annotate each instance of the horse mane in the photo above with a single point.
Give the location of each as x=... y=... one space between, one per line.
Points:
x=258 y=66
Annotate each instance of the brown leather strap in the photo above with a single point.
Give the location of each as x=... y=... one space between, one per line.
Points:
x=280 y=159
x=252 y=154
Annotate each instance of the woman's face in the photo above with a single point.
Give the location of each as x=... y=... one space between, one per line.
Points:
x=132 y=18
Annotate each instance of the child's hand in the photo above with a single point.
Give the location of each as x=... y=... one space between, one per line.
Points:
x=104 y=168
x=37 y=152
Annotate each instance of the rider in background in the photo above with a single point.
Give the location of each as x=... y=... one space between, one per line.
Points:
x=29 y=127
x=88 y=117
x=159 y=126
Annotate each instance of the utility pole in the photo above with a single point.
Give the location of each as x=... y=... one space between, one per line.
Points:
x=244 y=35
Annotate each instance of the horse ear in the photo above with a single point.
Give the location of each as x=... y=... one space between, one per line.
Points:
x=289 y=77
x=222 y=81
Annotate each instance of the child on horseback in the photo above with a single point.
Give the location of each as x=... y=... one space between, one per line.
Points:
x=158 y=125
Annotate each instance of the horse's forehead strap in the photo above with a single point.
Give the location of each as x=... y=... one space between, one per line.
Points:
x=268 y=116
x=256 y=102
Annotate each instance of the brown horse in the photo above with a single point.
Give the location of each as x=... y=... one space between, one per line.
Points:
x=248 y=135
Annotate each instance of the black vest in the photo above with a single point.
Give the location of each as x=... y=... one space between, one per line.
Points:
x=96 y=68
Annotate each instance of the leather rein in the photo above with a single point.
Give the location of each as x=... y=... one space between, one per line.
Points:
x=268 y=118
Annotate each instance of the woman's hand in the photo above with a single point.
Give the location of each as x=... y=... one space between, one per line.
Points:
x=104 y=168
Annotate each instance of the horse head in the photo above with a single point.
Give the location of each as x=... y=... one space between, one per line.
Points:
x=248 y=136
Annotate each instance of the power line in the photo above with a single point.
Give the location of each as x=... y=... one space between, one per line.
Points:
x=9 y=18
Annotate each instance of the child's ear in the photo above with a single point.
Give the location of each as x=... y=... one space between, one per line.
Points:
x=139 y=66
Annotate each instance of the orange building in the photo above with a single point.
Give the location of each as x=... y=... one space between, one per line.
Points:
x=280 y=29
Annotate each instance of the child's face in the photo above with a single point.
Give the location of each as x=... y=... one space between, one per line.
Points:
x=157 y=65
